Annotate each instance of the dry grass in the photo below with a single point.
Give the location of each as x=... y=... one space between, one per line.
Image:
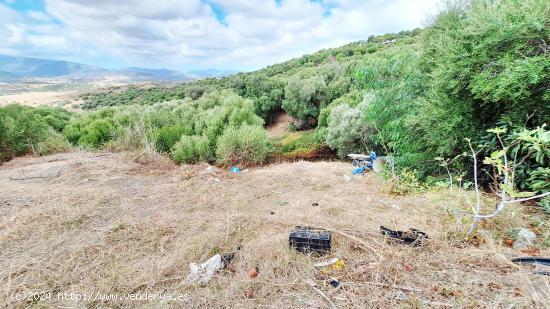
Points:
x=118 y=223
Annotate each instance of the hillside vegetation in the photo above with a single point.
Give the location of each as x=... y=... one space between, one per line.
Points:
x=415 y=95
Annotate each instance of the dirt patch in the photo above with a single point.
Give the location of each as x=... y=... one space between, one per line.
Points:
x=279 y=125
x=106 y=224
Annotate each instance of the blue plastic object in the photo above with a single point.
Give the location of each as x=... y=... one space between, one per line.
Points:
x=364 y=164
x=373 y=156
x=235 y=169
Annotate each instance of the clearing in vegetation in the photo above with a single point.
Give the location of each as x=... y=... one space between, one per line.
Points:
x=86 y=222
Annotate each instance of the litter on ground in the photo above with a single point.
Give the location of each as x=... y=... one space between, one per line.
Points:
x=308 y=239
x=410 y=237
x=201 y=274
x=544 y=261
x=362 y=162
x=210 y=170
x=335 y=263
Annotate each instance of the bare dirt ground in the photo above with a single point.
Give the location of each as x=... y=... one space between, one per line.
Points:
x=58 y=92
x=57 y=98
x=280 y=124
x=78 y=226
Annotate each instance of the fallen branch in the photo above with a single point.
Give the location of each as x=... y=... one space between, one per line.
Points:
x=99 y=155
x=312 y=285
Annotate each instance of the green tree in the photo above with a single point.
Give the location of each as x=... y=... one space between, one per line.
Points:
x=304 y=98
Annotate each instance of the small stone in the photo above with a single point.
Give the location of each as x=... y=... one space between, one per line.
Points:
x=347 y=178
x=210 y=170
x=525 y=238
x=396 y=207
x=253 y=272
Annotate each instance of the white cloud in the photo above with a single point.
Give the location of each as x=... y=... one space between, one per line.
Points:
x=186 y=35
x=17 y=33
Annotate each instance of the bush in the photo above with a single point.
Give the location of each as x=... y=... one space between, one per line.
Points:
x=97 y=133
x=53 y=143
x=244 y=145
x=55 y=117
x=405 y=183
x=486 y=62
x=305 y=140
x=191 y=149
x=167 y=137
x=21 y=129
x=531 y=148
x=347 y=131
x=304 y=97
x=26 y=129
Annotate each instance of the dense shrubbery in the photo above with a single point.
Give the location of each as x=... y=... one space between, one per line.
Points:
x=485 y=63
x=30 y=130
x=188 y=130
x=192 y=149
x=347 y=131
x=477 y=66
x=53 y=142
x=266 y=93
x=246 y=144
x=166 y=137
x=133 y=95
x=530 y=152
x=304 y=97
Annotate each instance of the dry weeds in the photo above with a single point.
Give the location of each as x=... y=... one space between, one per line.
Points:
x=114 y=223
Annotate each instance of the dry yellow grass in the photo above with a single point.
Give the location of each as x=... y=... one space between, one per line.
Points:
x=86 y=223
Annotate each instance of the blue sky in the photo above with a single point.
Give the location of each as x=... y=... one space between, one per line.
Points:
x=196 y=34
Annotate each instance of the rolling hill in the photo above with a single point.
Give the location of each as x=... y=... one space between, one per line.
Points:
x=21 y=69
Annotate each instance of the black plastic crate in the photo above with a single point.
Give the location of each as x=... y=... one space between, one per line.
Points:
x=308 y=239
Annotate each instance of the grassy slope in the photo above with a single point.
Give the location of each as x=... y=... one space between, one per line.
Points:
x=106 y=224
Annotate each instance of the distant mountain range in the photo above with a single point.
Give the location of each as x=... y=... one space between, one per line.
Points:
x=22 y=69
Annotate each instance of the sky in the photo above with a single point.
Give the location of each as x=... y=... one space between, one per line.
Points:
x=187 y=35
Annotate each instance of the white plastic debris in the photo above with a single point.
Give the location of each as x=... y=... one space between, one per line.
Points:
x=347 y=178
x=326 y=263
x=396 y=207
x=526 y=237
x=201 y=274
x=210 y=170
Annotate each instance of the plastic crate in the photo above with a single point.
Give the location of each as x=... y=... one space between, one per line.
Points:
x=308 y=239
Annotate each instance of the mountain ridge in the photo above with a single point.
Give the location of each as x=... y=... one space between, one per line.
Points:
x=22 y=69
